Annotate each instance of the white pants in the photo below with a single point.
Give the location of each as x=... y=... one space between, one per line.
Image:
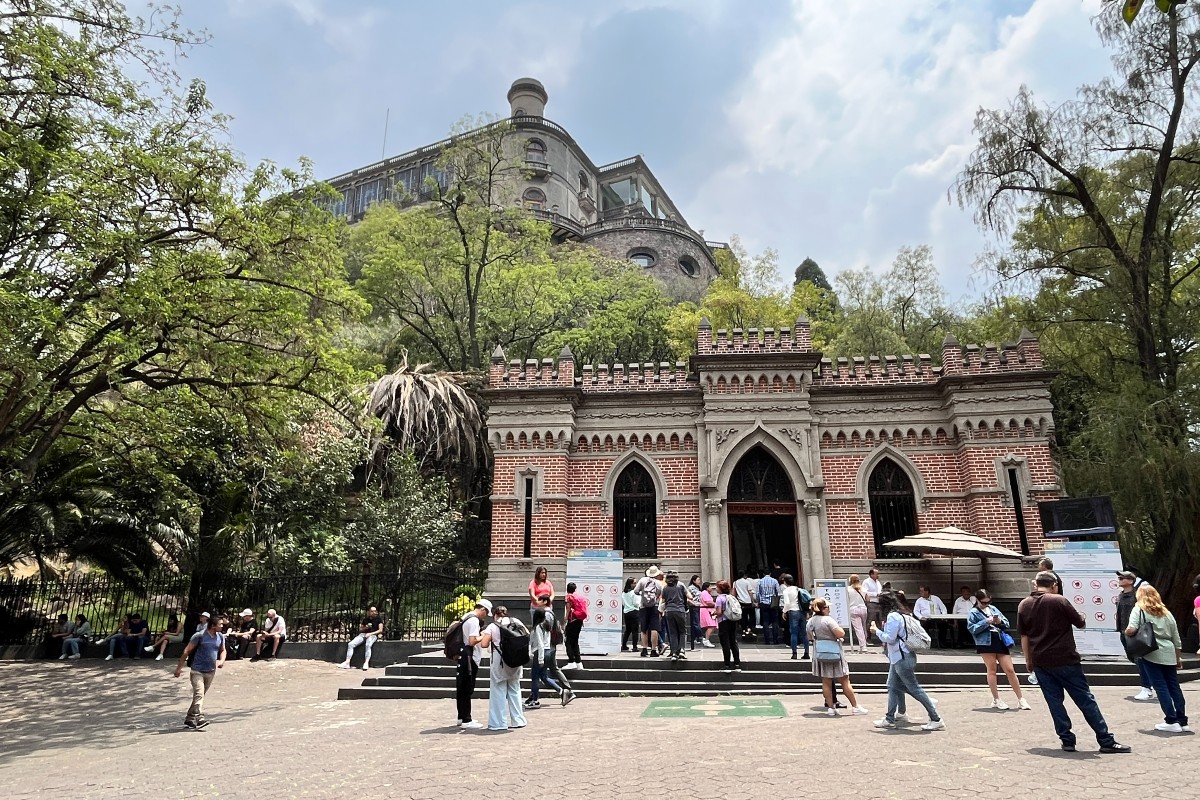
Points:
x=362 y=638
x=504 y=697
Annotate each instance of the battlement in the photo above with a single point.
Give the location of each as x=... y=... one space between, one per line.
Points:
x=546 y=374
x=752 y=340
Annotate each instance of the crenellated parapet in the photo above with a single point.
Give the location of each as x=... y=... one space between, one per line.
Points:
x=547 y=374
x=753 y=340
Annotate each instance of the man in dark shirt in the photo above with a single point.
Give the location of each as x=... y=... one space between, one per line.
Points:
x=368 y=633
x=133 y=640
x=1046 y=621
x=1126 y=600
x=240 y=638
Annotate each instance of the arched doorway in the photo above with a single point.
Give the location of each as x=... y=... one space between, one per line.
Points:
x=893 y=506
x=635 y=516
x=761 y=504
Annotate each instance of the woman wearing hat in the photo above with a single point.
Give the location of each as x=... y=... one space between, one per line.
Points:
x=649 y=591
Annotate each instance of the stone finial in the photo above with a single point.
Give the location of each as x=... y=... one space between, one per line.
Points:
x=498 y=354
x=801 y=321
x=1026 y=336
x=566 y=354
x=705 y=324
x=949 y=341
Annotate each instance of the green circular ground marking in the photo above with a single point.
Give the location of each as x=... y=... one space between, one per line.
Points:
x=721 y=707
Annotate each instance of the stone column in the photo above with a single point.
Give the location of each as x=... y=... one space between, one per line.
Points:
x=816 y=547
x=715 y=564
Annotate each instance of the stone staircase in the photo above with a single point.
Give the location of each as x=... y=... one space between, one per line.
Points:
x=765 y=671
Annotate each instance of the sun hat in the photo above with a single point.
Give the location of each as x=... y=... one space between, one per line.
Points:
x=653 y=572
x=483 y=602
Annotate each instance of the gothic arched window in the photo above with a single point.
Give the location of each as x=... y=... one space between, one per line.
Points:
x=758 y=477
x=635 y=517
x=893 y=505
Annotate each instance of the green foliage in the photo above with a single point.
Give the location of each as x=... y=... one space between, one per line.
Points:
x=468 y=590
x=405 y=521
x=459 y=608
x=811 y=272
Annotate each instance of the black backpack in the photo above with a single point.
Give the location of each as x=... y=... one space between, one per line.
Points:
x=514 y=644
x=452 y=641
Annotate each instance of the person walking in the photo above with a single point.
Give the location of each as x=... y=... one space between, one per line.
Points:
x=768 y=608
x=649 y=591
x=675 y=605
x=468 y=662
x=541 y=655
x=858 y=613
x=902 y=660
x=629 y=616
x=1126 y=600
x=504 y=686
x=576 y=614
x=708 y=623
x=792 y=609
x=830 y=664
x=1046 y=620
x=1163 y=664
x=992 y=641
x=744 y=588
x=727 y=611
x=209 y=650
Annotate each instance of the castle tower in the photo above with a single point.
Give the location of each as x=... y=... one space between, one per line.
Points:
x=528 y=98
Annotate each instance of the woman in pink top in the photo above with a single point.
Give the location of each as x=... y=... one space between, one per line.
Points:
x=707 y=623
x=540 y=585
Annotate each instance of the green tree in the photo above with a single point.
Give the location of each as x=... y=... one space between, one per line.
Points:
x=1100 y=194
x=137 y=255
x=810 y=271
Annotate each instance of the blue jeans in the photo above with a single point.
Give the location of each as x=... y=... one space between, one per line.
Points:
x=504 y=698
x=71 y=646
x=902 y=679
x=540 y=676
x=1069 y=678
x=769 y=618
x=697 y=634
x=798 y=630
x=1165 y=680
x=126 y=645
x=1144 y=674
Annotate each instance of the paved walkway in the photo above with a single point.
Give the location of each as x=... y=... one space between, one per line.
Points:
x=96 y=730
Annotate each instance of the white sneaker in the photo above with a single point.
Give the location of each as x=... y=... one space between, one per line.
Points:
x=901 y=715
x=366 y=667
x=149 y=649
x=1169 y=727
x=707 y=643
x=108 y=657
x=999 y=704
x=883 y=723
x=63 y=657
x=1023 y=705
x=1185 y=728
x=158 y=657
x=858 y=711
x=831 y=712
x=73 y=656
x=934 y=725
x=471 y=726
x=1144 y=694
x=1032 y=679
x=344 y=665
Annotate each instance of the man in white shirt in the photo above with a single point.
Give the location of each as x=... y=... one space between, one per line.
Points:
x=871 y=588
x=468 y=663
x=743 y=590
x=273 y=633
x=962 y=606
x=926 y=605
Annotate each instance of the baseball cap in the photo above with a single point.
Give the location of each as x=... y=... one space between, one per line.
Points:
x=1127 y=575
x=205 y=614
x=246 y=612
x=483 y=602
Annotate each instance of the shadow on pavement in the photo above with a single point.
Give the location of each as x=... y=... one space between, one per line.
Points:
x=1055 y=752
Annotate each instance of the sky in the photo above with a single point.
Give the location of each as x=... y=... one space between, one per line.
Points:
x=830 y=130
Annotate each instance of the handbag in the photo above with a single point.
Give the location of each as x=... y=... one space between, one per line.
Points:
x=1006 y=639
x=827 y=650
x=1141 y=643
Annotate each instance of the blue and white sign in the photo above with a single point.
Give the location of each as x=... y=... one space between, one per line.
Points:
x=598 y=576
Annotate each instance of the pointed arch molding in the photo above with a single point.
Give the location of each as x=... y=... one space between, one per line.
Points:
x=610 y=480
x=802 y=481
x=905 y=463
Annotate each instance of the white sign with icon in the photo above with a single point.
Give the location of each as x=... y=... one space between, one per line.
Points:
x=598 y=576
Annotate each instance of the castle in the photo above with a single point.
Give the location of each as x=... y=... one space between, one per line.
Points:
x=761 y=452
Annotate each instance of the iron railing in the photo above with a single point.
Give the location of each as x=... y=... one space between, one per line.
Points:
x=317 y=608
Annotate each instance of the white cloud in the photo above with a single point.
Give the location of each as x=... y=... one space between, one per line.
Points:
x=856 y=119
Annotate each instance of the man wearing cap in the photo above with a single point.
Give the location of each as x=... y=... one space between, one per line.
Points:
x=209 y=650
x=247 y=626
x=202 y=626
x=650 y=591
x=1126 y=600
x=468 y=663
x=368 y=632
x=274 y=631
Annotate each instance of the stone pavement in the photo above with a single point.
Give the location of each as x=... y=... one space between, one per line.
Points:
x=96 y=730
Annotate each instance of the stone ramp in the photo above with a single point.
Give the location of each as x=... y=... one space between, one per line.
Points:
x=765 y=671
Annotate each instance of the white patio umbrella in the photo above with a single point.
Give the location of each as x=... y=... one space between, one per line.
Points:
x=954 y=542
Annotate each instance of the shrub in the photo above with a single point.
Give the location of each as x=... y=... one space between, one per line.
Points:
x=459 y=608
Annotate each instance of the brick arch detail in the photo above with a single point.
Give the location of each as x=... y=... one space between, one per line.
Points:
x=887 y=451
x=802 y=482
x=618 y=466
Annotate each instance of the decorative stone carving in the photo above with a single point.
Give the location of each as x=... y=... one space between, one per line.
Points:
x=713 y=506
x=812 y=507
x=724 y=435
x=797 y=435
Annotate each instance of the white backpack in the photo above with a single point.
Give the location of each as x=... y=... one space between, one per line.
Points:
x=915 y=638
x=733 y=609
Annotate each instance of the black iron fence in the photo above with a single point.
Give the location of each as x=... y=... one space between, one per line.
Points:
x=317 y=608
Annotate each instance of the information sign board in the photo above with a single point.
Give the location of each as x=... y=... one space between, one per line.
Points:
x=598 y=575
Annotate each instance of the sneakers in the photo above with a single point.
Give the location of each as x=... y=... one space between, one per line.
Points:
x=63 y=657
x=149 y=649
x=1185 y=728
x=189 y=723
x=901 y=715
x=1023 y=705
x=858 y=711
x=934 y=725
x=580 y=667
x=727 y=670
x=707 y=643
x=530 y=704
x=1169 y=727
x=645 y=652
x=73 y=657
x=158 y=657
x=471 y=726
x=568 y=696
x=884 y=723
x=1116 y=747
x=1144 y=694
x=829 y=712
x=1032 y=679
x=201 y=724
x=737 y=669
x=1000 y=704
x=366 y=667
x=109 y=657
x=344 y=665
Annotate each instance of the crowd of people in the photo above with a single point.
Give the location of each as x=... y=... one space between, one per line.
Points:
x=662 y=614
